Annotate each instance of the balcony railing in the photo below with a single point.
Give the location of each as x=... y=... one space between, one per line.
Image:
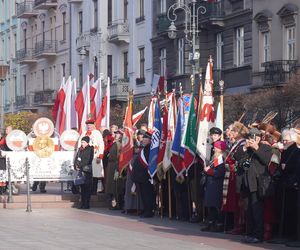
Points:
x=24 y=56
x=118 y=31
x=279 y=71
x=21 y=101
x=83 y=40
x=214 y=12
x=44 y=97
x=75 y=1
x=119 y=89
x=44 y=4
x=25 y=10
x=45 y=48
x=163 y=23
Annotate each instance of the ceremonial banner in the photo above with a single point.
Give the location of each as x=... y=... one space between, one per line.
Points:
x=164 y=136
x=151 y=114
x=190 y=140
x=207 y=116
x=155 y=142
x=177 y=149
x=219 y=118
x=57 y=167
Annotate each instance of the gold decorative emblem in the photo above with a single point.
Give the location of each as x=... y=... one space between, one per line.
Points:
x=43 y=146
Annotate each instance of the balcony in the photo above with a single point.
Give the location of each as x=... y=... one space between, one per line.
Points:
x=44 y=97
x=278 y=72
x=215 y=13
x=83 y=41
x=46 y=48
x=118 y=32
x=25 y=56
x=75 y=1
x=44 y=4
x=21 y=101
x=118 y=89
x=25 y=10
x=163 y=23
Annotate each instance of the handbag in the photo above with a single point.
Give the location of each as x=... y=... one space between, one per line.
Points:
x=87 y=168
x=79 y=178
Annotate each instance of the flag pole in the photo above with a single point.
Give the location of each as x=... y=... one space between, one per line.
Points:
x=221 y=83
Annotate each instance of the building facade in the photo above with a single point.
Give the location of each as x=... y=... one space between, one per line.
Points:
x=225 y=33
x=43 y=53
x=9 y=36
x=276 y=36
x=112 y=39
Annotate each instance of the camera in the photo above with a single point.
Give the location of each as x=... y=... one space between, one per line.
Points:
x=246 y=164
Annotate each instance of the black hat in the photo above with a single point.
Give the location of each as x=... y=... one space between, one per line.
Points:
x=215 y=130
x=86 y=139
x=141 y=132
x=254 y=132
x=105 y=133
x=147 y=135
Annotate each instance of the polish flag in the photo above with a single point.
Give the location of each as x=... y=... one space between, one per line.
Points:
x=66 y=105
x=83 y=103
x=58 y=105
x=104 y=112
x=96 y=104
x=218 y=161
x=136 y=117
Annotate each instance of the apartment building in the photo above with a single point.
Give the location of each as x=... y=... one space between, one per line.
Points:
x=276 y=36
x=111 y=38
x=9 y=35
x=43 y=53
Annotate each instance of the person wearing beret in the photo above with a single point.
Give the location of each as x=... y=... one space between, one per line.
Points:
x=96 y=140
x=83 y=162
x=215 y=135
x=213 y=190
x=254 y=158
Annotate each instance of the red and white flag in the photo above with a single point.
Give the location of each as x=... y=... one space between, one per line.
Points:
x=171 y=130
x=66 y=110
x=218 y=161
x=127 y=139
x=95 y=108
x=104 y=112
x=136 y=117
x=58 y=105
x=151 y=114
x=207 y=115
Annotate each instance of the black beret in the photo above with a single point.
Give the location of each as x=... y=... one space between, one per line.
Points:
x=86 y=139
x=215 y=130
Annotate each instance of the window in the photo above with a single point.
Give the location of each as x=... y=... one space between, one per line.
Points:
x=141 y=12
x=15 y=44
x=80 y=27
x=43 y=79
x=291 y=43
x=63 y=69
x=266 y=47
x=180 y=68
x=24 y=36
x=162 y=6
x=125 y=65
x=64 y=26
x=125 y=9
x=95 y=15
x=163 y=61
x=43 y=31
x=109 y=12
x=109 y=66
x=95 y=67
x=239 y=46
x=80 y=76
x=219 y=46
x=142 y=63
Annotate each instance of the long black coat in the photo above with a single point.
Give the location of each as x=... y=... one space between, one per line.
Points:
x=140 y=169
x=214 y=186
x=259 y=163
x=84 y=157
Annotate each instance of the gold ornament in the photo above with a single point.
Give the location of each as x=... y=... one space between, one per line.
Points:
x=43 y=146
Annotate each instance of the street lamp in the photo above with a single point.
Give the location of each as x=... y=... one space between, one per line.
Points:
x=192 y=14
x=4 y=68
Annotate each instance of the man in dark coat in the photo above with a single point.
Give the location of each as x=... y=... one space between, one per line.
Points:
x=83 y=162
x=254 y=158
x=141 y=176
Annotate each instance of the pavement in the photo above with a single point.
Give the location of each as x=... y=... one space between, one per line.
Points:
x=100 y=228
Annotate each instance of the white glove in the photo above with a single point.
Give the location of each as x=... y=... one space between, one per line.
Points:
x=116 y=175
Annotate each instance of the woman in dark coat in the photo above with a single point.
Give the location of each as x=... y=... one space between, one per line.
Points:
x=214 y=187
x=83 y=162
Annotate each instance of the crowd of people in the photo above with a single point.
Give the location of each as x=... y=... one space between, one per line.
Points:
x=250 y=186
